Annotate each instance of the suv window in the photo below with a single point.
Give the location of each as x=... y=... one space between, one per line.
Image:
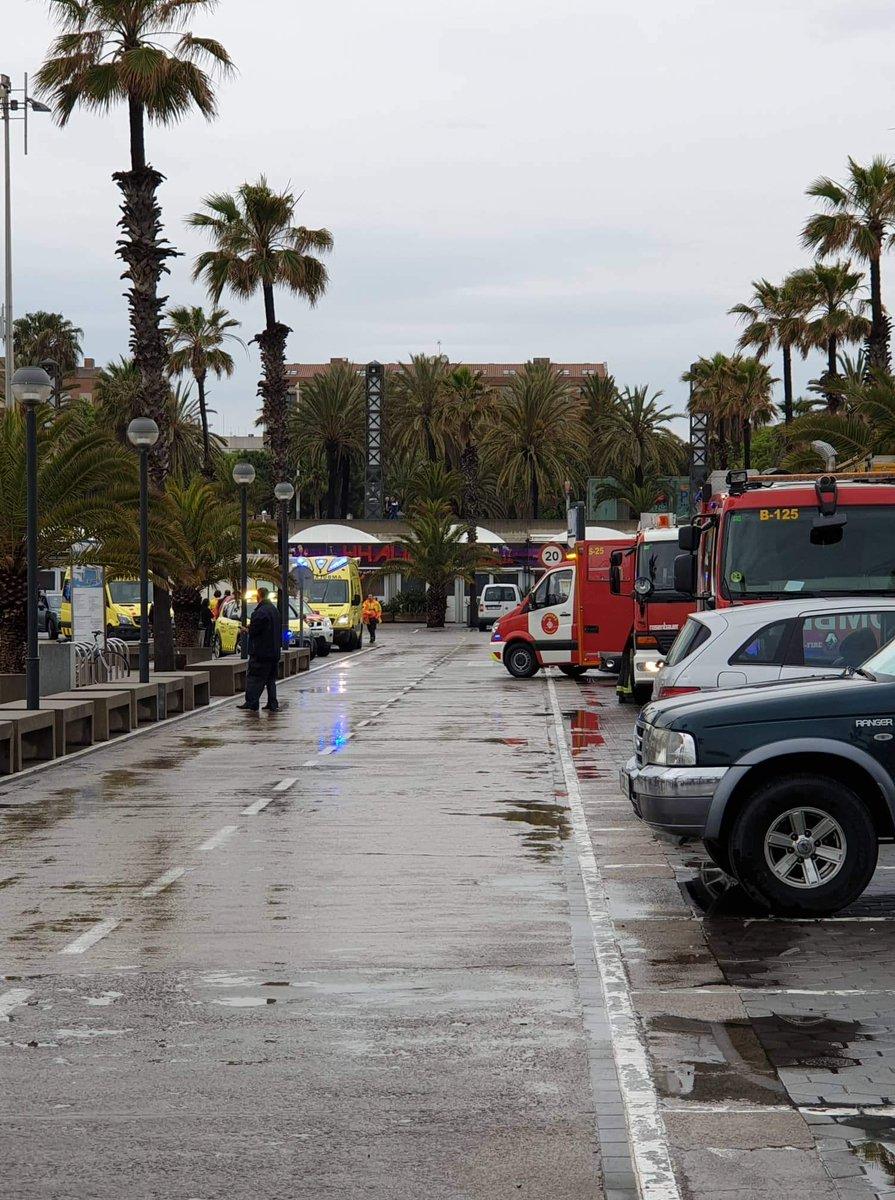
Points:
x=766 y=646
x=689 y=639
x=839 y=639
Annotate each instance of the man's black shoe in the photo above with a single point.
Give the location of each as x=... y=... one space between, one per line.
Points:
x=247 y=707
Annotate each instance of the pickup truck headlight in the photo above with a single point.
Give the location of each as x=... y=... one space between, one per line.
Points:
x=668 y=748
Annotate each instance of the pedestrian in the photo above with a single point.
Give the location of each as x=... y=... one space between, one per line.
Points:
x=265 y=636
x=206 y=621
x=217 y=604
x=371 y=615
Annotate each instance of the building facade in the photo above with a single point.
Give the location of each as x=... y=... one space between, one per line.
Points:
x=495 y=374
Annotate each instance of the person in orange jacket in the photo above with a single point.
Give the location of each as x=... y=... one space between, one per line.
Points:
x=372 y=615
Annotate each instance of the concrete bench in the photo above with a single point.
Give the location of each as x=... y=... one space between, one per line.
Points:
x=172 y=693
x=304 y=658
x=288 y=663
x=196 y=687
x=143 y=698
x=33 y=735
x=7 y=743
x=227 y=676
x=111 y=711
x=73 y=720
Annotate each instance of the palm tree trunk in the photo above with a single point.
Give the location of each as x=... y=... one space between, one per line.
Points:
x=878 y=341
x=431 y=454
x=332 y=478
x=203 y=417
x=273 y=387
x=747 y=443
x=831 y=377
x=471 y=510
x=187 y=606
x=535 y=497
x=436 y=606
x=345 y=483
x=144 y=252
x=787 y=384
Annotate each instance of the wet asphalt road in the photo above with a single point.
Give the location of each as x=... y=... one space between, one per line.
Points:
x=344 y=951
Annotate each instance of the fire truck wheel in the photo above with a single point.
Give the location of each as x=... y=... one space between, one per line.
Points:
x=572 y=671
x=519 y=659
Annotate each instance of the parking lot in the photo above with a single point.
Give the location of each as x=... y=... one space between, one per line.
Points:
x=406 y=938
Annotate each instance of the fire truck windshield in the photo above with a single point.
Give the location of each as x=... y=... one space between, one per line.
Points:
x=769 y=553
x=655 y=560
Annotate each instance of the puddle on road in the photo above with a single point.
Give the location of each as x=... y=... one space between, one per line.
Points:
x=810 y=1041
x=245 y=1001
x=875 y=1152
x=712 y=1061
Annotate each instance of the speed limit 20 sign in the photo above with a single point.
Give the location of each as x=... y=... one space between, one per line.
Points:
x=552 y=555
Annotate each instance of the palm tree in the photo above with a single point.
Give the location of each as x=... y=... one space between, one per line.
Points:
x=639 y=497
x=859 y=217
x=257 y=247
x=417 y=395
x=862 y=427
x=138 y=52
x=469 y=405
x=437 y=555
x=636 y=437
x=196 y=344
x=328 y=421
x=749 y=403
x=48 y=338
x=599 y=393
x=709 y=379
x=85 y=483
x=536 y=434
x=775 y=316
x=835 y=316
x=434 y=483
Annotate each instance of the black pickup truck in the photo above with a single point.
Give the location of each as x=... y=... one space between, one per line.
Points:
x=790 y=786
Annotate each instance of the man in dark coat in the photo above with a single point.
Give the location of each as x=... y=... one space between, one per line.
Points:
x=265 y=636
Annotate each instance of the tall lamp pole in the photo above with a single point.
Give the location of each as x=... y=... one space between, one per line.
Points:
x=9 y=106
x=243 y=477
x=31 y=386
x=284 y=493
x=142 y=433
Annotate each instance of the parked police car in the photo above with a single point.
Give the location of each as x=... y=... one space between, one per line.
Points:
x=789 y=785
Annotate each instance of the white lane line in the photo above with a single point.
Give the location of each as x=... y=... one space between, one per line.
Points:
x=312 y=762
x=757 y=1109
x=362 y=724
x=219 y=838
x=12 y=999
x=93 y=935
x=646 y=1129
x=284 y=785
x=252 y=810
x=163 y=881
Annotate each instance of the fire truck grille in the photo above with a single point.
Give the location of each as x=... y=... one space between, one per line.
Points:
x=664 y=638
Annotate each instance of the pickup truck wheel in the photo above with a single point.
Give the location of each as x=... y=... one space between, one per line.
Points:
x=573 y=672
x=804 y=844
x=519 y=659
x=718 y=853
x=322 y=647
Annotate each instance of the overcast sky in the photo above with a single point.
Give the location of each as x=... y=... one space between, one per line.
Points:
x=587 y=180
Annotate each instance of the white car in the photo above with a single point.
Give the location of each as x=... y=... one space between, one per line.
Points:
x=495 y=601
x=764 y=643
x=318 y=626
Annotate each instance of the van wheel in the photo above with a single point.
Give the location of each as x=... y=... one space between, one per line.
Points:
x=572 y=671
x=216 y=648
x=519 y=659
x=804 y=844
x=52 y=631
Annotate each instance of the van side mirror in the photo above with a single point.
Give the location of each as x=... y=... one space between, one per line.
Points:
x=615 y=580
x=355 y=599
x=688 y=538
x=685 y=573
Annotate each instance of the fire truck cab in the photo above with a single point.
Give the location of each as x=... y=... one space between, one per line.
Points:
x=759 y=538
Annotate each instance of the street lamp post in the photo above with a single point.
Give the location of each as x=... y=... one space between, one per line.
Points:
x=31 y=386
x=142 y=433
x=284 y=493
x=8 y=106
x=244 y=477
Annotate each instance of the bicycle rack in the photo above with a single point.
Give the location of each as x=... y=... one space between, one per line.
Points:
x=93 y=664
x=119 y=658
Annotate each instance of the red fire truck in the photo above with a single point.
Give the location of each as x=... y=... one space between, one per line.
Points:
x=570 y=619
x=773 y=537
x=646 y=572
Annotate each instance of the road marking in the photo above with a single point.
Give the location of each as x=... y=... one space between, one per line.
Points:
x=163 y=881
x=624 y=866
x=252 y=810
x=219 y=838
x=12 y=999
x=284 y=785
x=362 y=724
x=93 y=935
x=727 y=1108
x=646 y=1129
